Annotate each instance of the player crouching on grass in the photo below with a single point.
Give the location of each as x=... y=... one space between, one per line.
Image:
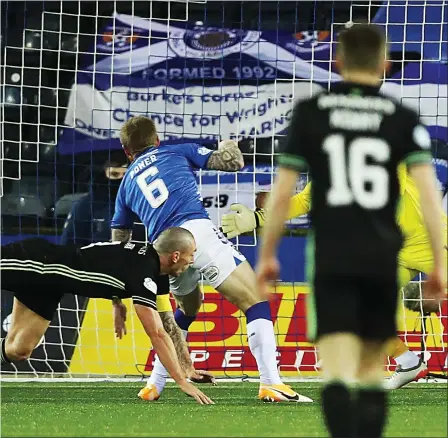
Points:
x=38 y=273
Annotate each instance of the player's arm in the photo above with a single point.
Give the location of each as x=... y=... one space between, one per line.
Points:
x=121 y=235
x=180 y=345
x=290 y=163
x=418 y=158
x=431 y=206
x=120 y=314
x=144 y=300
x=244 y=220
x=161 y=341
x=169 y=324
x=300 y=204
x=165 y=310
x=228 y=157
x=123 y=219
x=175 y=333
x=277 y=210
x=164 y=347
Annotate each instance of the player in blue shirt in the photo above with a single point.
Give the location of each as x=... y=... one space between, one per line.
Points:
x=160 y=188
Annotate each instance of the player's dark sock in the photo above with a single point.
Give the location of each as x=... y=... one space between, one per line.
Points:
x=4 y=357
x=371 y=412
x=338 y=410
x=183 y=321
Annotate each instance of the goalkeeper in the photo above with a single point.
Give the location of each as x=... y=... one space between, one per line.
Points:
x=414 y=257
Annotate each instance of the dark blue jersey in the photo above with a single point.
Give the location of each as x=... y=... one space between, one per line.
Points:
x=160 y=188
x=89 y=221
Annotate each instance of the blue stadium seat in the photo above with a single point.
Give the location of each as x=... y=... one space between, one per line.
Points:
x=13 y=96
x=42 y=188
x=64 y=205
x=22 y=206
x=29 y=152
x=47 y=153
x=32 y=39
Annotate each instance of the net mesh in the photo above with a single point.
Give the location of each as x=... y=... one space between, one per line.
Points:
x=59 y=141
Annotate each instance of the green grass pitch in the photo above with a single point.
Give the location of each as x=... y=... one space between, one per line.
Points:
x=113 y=409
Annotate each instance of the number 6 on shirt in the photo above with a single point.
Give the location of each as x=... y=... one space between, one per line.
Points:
x=156 y=192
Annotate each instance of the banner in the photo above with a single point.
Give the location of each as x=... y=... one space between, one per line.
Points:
x=204 y=83
x=218 y=339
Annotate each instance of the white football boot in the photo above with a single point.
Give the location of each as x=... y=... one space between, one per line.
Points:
x=403 y=376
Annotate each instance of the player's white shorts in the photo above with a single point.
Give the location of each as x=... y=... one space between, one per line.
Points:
x=216 y=258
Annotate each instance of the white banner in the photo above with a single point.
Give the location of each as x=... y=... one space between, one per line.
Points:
x=220 y=111
x=191 y=112
x=205 y=83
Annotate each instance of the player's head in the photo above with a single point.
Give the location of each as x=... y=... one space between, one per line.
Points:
x=114 y=169
x=362 y=53
x=137 y=134
x=108 y=179
x=176 y=247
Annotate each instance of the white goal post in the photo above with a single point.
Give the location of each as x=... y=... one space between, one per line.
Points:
x=71 y=78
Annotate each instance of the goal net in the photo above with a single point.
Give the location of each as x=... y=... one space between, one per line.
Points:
x=73 y=72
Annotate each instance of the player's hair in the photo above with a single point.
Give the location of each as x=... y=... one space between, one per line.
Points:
x=173 y=239
x=116 y=159
x=137 y=134
x=362 y=47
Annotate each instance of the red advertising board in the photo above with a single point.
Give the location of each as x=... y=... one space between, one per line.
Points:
x=218 y=340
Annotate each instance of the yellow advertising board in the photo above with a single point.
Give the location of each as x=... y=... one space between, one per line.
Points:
x=218 y=341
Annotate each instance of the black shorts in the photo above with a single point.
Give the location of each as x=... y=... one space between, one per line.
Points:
x=30 y=289
x=20 y=276
x=362 y=305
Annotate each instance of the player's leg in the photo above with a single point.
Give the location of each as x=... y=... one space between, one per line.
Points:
x=332 y=308
x=236 y=282
x=239 y=289
x=397 y=348
x=35 y=302
x=24 y=334
x=414 y=257
x=378 y=302
x=371 y=404
x=226 y=270
x=188 y=307
x=339 y=353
